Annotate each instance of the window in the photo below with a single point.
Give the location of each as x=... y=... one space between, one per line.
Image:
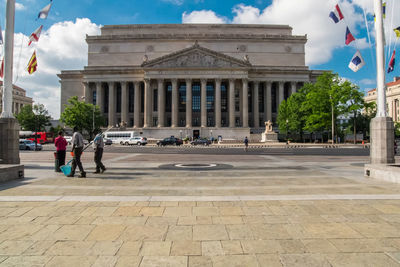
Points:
x=182 y=97
x=224 y=98
x=196 y=97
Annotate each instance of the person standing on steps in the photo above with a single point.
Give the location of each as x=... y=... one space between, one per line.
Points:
x=98 y=146
x=77 y=149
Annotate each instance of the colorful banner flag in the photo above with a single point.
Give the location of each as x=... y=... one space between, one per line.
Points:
x=2 y=68
x=397 y=31
x=336 y=15
x=349 y=37
x=44 y=12
x=35 y=35
x=357 y=62
x=391 y=62
x=32 y=65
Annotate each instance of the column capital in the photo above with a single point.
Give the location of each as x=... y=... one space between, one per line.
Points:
x=218 y=80
x=188 y=80
x=203 y=80
x=245 y=80
x=136 y=83
x=123 y=83
x=257 y=83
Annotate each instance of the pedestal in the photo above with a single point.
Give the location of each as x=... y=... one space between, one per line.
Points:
x=9 y=141
x=269 y=137
x=382 y=141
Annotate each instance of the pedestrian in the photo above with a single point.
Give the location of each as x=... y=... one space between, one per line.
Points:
x=98 y=146
x=61 y=146
x=77 y=149
x=246 y=143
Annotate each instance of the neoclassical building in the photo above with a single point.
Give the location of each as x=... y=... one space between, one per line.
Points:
x=19 y=99
x=392 y=98
x=190 y=79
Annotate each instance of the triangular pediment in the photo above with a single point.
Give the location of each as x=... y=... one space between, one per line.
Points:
x=196 y=57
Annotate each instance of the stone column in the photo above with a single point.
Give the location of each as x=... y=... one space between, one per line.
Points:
x=256 y=112
x=189 y=105
x=268 y=102
x=124 y=102
x=175 y=102
x=147 y=104
x=87 y=92
x=245 y=100
x=217 y=109
x=281 y=94
x=99 y=97
x=203 y=103
x=293 y=87
x=111 y=103
x=161 y=103
x=231 y=103
x=136 y=111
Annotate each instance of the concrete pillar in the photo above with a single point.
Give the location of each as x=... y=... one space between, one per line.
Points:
x=147 y=104
x=111 y=103
x=161 y=103
x=9 y=145
x=175 y=104
x=189 y=104
x=99 y=97
x=245 y=109
x=256 y=112
x=136 y=109
x=124 y=102
x=231 y=103
x=203 y=103
x=281 y=94
x=87 y=94
x=293 y=87
x=217 y=109
x=268 y=102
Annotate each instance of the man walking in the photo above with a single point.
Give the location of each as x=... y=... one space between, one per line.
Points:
x=77 y=149
x=246 y=143
x=61 y=147
x=98 y=146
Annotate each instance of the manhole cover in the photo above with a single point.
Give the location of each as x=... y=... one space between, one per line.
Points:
x=195 y=166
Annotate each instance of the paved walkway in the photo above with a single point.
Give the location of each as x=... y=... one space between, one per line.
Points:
x=200 y=210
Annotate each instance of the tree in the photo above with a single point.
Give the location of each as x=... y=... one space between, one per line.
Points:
x=354 y=105
x=283 y=118
x=86 y=117
x=34 y=118
x=297 y=117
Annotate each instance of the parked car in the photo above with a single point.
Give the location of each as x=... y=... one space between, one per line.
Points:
x=204 y=142
x=170 y=141
x=107 y=141
x=29 y=145
x=137 y=140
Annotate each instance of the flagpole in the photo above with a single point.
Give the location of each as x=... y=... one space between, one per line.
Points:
x=8 y=61
x=380 y=60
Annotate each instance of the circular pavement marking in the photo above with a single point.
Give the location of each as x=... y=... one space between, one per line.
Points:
x=195 y=166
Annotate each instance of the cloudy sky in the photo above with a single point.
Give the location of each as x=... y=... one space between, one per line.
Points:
x=62 y=44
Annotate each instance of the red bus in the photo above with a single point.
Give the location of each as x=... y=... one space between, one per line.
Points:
x=42 y=137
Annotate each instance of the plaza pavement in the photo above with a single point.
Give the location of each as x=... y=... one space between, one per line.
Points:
x=248 y=210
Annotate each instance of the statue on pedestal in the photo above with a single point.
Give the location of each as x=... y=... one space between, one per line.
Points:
x=268 y=127
x=269 y=135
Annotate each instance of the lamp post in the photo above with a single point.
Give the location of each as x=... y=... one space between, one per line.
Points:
x=180 y=133
x=287 y=130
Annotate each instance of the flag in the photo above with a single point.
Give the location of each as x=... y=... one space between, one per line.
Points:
x=32 y=65
x=391 y=62
x=2 y=68
x=1 y=36
x=336 y=15
x=44 y=12
x=349 y=37
x=397 y=31
x=357 y=62
x=35 y=35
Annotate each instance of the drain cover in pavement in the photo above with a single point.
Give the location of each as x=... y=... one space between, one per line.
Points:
x=195 y=166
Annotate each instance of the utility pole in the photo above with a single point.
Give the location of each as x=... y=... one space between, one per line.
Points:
x=382 y=128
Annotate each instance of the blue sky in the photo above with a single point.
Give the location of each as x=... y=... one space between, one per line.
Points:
x=62 y=44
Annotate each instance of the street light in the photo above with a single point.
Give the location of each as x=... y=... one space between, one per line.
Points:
x=287 y=130
x=180 y=133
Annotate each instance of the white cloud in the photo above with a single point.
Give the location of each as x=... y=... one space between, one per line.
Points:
x=19 y=6
x=368 y=81
x=203 y=16
x=61 y=47
x=175 y=2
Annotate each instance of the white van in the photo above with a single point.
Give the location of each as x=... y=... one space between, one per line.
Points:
x=120 y=137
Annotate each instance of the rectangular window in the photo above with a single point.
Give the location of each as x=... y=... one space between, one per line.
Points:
x=131 y=97
x=182 y=97
x=196 y=97
x=94 y=97
x=119 y=92
x=155 y=101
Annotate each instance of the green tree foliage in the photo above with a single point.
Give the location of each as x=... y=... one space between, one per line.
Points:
x=354 y=105
x=283 y=117
x=33 y=118
x=80 y=114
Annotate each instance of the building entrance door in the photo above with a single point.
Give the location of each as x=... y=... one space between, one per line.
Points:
x=196 y=134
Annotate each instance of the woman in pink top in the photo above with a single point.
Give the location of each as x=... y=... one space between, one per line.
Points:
x=61 y=147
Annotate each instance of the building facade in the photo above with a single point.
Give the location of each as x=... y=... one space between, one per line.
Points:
x=190 y=79
x=392 y=99
x=19 y=99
